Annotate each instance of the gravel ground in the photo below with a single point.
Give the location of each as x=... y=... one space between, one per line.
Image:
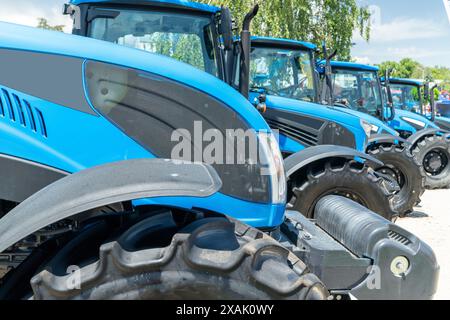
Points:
x=431 y=223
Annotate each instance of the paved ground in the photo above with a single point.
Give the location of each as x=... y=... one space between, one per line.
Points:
x=431 y=222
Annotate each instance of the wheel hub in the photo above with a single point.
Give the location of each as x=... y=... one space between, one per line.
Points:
x=394 y=173
x=435 y=162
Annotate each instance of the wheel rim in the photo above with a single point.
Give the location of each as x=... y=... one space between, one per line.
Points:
x=435 y=162
x=394 y=173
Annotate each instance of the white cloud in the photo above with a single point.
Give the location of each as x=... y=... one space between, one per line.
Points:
x=362 y=60
x=27 y=13
x=415 y=52
x=401 y=29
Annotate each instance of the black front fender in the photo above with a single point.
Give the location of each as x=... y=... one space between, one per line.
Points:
x=419 y=135
x=104 y=185
x=305 y=157
x=385 y=138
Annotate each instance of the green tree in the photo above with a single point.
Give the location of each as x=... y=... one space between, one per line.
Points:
x=43 y=24
x=405 y=68
x=333 y=21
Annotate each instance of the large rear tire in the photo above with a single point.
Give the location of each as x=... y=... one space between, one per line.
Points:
x=346 y=178
x=210 y=258
x=433 y=152
x=401 y=165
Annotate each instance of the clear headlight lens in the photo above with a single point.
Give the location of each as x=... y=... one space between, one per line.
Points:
x=271 y=158
x=367 y=127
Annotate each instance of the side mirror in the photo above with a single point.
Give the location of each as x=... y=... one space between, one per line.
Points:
x=432 y=104
x=327 y=87
x=261 y=103
x=426 y=91
x=226 y=28
x=390 y=102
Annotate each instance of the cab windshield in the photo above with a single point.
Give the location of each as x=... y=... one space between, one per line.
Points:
x=282 y=72
x=188 y=38
x=406 y=97
x=358 y=90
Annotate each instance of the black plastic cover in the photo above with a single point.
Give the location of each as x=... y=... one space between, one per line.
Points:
x=307 y=156
x=104 y=185
x=369 y=235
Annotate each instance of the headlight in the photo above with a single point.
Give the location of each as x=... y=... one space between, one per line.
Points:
x=273 y=166
x=367 y=127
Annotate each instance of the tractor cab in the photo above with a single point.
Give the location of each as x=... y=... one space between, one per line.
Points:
x=408 y=95
x=194 y=33
x=411 y=95
x=284 y=71
x=283 y=68
x=357 y=89
x=357 y=86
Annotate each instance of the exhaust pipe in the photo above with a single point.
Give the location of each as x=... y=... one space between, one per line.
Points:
x=244 y=74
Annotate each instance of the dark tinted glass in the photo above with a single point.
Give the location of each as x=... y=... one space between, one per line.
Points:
x=150 y=108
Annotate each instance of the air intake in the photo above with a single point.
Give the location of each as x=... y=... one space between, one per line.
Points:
x=398 y=237
x=15 y=108
x=306 y=138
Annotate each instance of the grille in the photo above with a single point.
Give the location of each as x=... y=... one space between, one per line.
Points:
x=307 y=138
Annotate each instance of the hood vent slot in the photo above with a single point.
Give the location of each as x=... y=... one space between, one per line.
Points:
x=12 y=115
x=41 y=122
x=19 y=108
x=30 y=115
x=2 y=110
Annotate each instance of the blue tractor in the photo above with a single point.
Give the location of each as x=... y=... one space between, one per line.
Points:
x=203 y=37
x=414 y=95
x=284 y=71
x=359 y=87
x=411 y=95
x=86 y=128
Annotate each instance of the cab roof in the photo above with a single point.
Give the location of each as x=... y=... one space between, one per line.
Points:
x=283 y=42
x=180 y=4
x=406 y=81
x=353 y=65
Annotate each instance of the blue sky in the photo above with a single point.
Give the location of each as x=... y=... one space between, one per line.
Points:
x=407 y=28
x=419 y=29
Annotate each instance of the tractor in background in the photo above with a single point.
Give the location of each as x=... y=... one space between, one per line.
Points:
x=359 y=87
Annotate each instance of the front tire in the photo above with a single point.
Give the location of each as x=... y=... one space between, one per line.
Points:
x=346 y=178
x=210 y=258
x=401 y=165
x=433 y=152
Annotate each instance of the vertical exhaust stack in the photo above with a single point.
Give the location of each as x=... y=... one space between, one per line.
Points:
x=244 y=74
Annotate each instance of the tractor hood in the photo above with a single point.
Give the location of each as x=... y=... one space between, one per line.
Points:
x=18 y=37
x=443 y=122
x=351 y=122
x=378 y=126
x=410 y=121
